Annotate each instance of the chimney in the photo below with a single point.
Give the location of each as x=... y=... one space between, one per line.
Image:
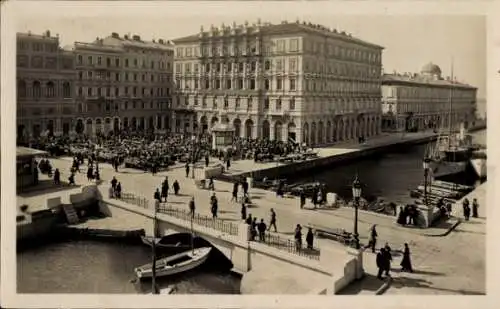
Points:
x=126 y=37
x=136 y=38
x=154 y=41
x=115 y=35
x=47 y=33
x=161 y=41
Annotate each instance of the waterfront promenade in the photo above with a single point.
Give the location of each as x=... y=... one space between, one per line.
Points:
x=340 y=149
x=447 y=263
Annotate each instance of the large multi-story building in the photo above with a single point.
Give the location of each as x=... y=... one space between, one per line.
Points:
x=278 y=81
x=45 y=86
x=413 y=101
x=123 y=82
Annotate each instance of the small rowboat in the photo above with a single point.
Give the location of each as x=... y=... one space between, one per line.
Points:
x=148 y=240
x=175 y=264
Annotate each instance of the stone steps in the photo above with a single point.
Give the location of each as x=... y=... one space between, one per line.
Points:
x=71 y=214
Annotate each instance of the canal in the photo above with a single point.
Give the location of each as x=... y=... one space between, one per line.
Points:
x=390 y=176
x=96 y=267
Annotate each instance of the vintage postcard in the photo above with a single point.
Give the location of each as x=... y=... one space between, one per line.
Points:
x=246 y=154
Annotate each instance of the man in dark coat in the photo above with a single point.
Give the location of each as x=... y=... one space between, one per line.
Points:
x=57 y=177
x=192 y=207
x=309 y=239
x=475 y=206
x=272 y=222
x=302 y=199
x=206 y=160
x=157 y=195
x=214 y=207
x=243 y=211
x=176 y=187
x=187 y=169
x=262 y=230
x=244 y=185
x=387 y=259
x=249 y=219
x=380 y=262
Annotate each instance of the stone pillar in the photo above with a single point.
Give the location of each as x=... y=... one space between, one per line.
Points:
x=272 y=132
x=256 y=130
x=174 y=121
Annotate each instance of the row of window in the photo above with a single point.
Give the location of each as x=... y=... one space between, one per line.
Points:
x=37 y=90
x=125 y=91
x=37 y=46
x=238 y=103
x=239 y=67
x=239 y=84
x=350 y=53
x=134 y=105
x=426 y=92
x=39 y=62
x=418 y=107
x=116 y=62
x=109 y=76
x=340 y=86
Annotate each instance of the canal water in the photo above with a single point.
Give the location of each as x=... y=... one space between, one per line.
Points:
x=390 y=176
x=106 y=267
x=96 y=267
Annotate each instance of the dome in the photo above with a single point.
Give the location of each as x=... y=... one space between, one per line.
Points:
x=431 y=68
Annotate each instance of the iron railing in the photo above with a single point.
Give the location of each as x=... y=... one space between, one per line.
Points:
x=131 y=198
x=288 y=245
x=202 y=220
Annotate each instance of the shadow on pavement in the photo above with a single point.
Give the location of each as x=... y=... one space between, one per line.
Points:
x=369 y=285
x=404 y=282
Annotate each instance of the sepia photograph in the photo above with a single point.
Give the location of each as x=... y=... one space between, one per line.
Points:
x=263 y=152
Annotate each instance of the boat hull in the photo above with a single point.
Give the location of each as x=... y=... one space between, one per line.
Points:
x=168 y=266
x=479 y=166
x=445 y=168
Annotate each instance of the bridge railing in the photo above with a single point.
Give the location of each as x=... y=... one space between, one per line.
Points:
x=131 y=198
x=202 y=220
x=290 y=246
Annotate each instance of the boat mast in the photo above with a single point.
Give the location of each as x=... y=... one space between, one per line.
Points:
x=451 y=106
x=153 y=248
x=192 y=236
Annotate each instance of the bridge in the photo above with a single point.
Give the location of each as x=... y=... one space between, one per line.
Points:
x=327 y=270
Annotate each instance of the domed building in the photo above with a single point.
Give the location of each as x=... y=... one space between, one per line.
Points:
x=413 y=102
x=432 y=70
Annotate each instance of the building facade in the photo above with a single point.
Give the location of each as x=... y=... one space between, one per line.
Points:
x=123 y=83
x=278 y=81
x=427 y=100
x=45 y=86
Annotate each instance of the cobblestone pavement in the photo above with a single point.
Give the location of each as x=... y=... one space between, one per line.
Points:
x=450 y=265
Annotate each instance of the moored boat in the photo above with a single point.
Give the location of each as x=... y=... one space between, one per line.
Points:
x=174 y=264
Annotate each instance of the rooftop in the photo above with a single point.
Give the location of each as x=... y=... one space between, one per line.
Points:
x=29 y=152
x=45 y=36
x=117 y=42
x=275 y=29
x=409 y=78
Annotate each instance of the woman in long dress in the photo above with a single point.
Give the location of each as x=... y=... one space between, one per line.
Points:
x=406 y=262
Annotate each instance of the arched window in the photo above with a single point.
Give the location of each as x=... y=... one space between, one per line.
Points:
x=66 y=90
x=21 y=89
x=51 y=90
x=37 y=89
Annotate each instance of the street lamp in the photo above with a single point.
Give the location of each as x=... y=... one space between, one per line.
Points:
x=356 y=193
x=193 y=157
x=426 y=167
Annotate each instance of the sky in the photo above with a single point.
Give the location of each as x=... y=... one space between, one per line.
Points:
x=410 y=41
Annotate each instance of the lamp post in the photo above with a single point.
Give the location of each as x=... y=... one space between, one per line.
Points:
x=194 y=150
x=356 y=193
x=426 y=167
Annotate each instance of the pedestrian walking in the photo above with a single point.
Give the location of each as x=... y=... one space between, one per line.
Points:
x=207 y=161
x=114 y=182
x=235 y=192
x=90 y=173
x=380 y=263
x=244 y=185
x=57 y=177
x=157 y=195
x=214 y=206
x=118 y=191
x=302 y=198
x=475 y=206
x=406 y=262
x=373 y=238
x=176 y=187
x=243 y=211
x=262 y=230
x=272 y=222
x=192 y=207
x=310 y=239
x=187 y=169
x=387 y=259
x=254 y=228
x=298 y=237
x=249 y=219
x=466 y=209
